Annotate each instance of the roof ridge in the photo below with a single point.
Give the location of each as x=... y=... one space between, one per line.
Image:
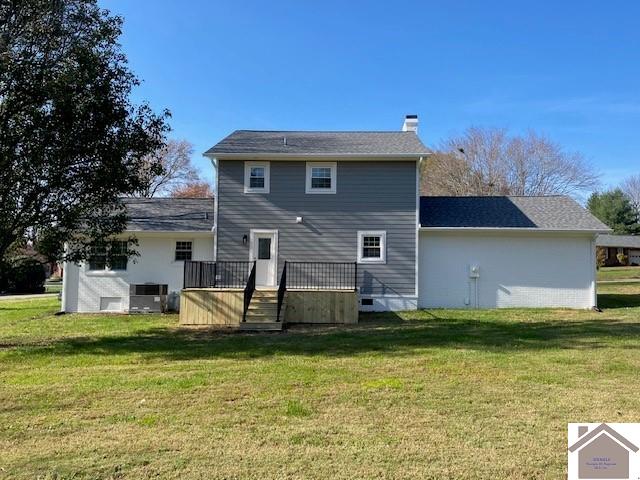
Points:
x=324 y=131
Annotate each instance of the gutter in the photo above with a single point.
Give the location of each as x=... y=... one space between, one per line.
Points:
x=307 y=156
x=512 y=229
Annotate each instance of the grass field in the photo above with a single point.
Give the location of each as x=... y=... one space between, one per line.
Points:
x=430 y=394
x=618 y=273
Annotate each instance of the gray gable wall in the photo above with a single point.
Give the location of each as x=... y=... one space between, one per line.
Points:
x=370 y=196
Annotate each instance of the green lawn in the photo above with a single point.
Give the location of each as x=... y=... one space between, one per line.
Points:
x=618 y=273
x=430 y=394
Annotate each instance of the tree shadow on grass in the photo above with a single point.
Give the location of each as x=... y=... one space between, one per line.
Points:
x=618 y=300
x=387 y=333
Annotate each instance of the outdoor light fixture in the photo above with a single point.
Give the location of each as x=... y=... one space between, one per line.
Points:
x=298 y=219
x=244 y=239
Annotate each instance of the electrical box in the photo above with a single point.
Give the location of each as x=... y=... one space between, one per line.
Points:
x=474 y=271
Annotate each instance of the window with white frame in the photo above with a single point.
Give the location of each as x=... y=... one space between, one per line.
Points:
x=109 y=256
x=372 y=247
x=256 y=177
x=183 y=251
x=321 y=177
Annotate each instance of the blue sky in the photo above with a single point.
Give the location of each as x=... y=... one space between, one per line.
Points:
x=569 y=69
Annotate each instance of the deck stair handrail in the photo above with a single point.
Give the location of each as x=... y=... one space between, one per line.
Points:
x=282 y=288
x=248 y=290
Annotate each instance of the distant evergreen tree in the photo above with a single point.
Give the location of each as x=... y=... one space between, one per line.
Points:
x=614 y=209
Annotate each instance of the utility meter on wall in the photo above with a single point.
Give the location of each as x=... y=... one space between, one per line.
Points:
x=474 y=271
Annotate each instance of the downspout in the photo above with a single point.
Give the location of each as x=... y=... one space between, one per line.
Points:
x=214 y=163
x=65 y=281
x=594 y=269
x=417 y=255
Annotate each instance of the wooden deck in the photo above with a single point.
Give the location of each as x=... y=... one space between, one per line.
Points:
x=225 y=306
x=321 y=306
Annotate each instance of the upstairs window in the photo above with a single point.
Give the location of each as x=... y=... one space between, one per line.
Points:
x=372 y=247
x=109 y=256
x=321 y=177
x=256 y=177
x=183 y=251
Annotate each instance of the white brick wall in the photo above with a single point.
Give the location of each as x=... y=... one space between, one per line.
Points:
x=516 y=270
x=83 y=288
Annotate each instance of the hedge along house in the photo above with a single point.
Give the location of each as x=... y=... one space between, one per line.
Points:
x=169 y=231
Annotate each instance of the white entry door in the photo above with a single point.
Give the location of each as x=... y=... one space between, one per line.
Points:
x=264 y=245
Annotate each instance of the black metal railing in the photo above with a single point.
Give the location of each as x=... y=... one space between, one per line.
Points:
x=248 y=290
x=201 y=274
x=322 y=275
x=282 y=288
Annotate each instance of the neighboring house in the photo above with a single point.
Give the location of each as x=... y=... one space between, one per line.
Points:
x=612 y=245
x=169 y=231
x=342 y=211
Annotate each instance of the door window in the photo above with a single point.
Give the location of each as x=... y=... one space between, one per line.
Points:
x=264 y=248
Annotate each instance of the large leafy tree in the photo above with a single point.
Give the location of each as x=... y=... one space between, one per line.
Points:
x=614 y=209
x=71 y=140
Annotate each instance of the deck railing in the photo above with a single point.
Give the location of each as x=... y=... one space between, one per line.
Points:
x=201 y=274
x=322 y=275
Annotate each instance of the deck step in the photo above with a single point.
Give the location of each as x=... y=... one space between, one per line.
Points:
x=261 y=326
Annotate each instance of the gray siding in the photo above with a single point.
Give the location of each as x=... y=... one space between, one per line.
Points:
x=370 y=196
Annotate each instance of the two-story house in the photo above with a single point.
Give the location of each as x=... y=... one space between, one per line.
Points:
x=323 y=197
x=331 y=222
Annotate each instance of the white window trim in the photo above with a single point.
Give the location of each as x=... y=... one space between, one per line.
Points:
x=383 y=246
x=107 y=270
x=175 y=245
x=247 y=176
x=334 y=178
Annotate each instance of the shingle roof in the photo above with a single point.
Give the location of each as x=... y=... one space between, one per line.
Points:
x=319 y=143
x=169 y=214
x=624 y=241
x=547 y=213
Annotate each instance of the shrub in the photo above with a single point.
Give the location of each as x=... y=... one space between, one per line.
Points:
x=622 y=259
x=26 y=275
x=600 y=257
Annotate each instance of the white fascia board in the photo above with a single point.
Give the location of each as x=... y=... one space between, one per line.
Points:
x=169 y=233
x=512 y=229
x=309 y=156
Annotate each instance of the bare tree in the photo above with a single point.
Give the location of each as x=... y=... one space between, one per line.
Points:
x=177 y=169
x=631 y=187
x=197 y=189
x=491 y=162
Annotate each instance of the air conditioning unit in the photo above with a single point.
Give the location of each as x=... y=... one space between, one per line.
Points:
x=148 y=298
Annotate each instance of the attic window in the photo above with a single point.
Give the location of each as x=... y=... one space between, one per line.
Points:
x=321 y=177
x=256 y=177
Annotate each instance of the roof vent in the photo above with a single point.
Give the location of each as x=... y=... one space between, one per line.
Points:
x=410 y=123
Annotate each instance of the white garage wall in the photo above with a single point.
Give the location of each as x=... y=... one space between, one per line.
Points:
x=85 y=290
x=516 y=270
